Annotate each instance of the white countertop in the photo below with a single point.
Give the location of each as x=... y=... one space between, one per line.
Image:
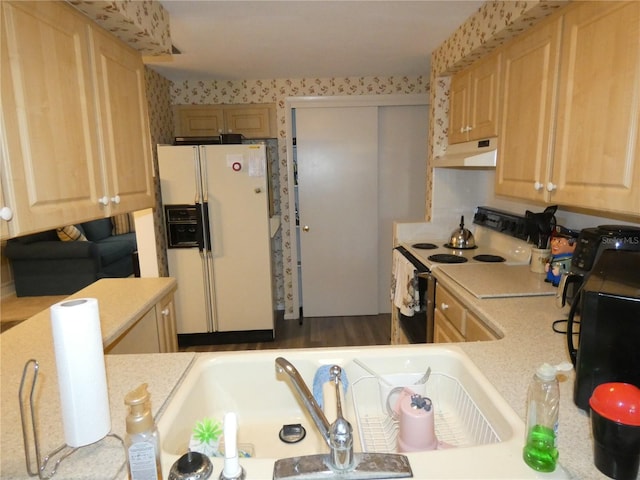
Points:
x=508 y=363
x=121 y=301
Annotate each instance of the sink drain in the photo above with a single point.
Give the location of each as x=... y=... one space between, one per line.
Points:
x=292 y=433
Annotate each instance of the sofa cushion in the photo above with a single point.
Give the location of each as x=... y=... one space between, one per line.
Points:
x=113 y=248
x=70 y=233
x=46 y=236
x=123 y=223
x=97 y=230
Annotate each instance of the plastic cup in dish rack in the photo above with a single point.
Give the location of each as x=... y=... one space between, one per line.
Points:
x=615 y=422
x=416 y=424
x=388 y=384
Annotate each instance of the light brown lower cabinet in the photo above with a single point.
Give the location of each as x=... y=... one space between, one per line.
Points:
x=154 y=332
x=454 y=322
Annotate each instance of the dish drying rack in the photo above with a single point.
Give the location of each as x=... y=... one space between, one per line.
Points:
x=458 y=420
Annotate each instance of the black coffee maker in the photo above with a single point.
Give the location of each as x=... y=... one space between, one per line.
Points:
x=590 y=245
x=609 y=338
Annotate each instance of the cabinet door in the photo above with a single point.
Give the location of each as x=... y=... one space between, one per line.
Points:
x=124 y=123
x=198 y=120
x=253 y=121
x=597 y=148
x=51 y=170
x=483 y=108
x=458 y=107
x=142 y=337
x=527 y=112
x=444 y=331
x=477 y=331
x=166 y=320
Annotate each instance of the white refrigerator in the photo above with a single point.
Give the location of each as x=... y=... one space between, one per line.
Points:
x=224 y=284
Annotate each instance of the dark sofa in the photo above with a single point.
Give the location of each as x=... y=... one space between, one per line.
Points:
x=42 y=264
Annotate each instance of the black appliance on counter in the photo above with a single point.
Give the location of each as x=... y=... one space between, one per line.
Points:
x=591 y=243
x=609 y=340
x=222 y=139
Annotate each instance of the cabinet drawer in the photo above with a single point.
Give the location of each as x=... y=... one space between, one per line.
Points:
x=451 y=308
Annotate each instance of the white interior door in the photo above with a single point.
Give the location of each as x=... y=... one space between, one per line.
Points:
x=402 y=180
x=337 y=154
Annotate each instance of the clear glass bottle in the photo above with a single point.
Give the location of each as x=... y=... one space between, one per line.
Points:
x=142 y=442
x=543 y=401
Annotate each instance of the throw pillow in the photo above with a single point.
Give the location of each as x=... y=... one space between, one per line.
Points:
x=123 y=223
x=70 y=233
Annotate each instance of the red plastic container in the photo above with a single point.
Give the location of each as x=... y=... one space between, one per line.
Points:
x=615 y=421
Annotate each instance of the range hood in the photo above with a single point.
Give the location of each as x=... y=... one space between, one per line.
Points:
x=479 y=153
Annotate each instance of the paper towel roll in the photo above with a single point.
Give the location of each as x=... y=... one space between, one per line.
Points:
x=82 y=379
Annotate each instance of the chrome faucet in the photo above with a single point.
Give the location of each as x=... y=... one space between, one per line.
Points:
x=341 y=461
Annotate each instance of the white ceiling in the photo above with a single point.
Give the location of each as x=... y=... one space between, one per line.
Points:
x=234 y=39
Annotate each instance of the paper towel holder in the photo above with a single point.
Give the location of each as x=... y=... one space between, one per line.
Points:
x=60 y=452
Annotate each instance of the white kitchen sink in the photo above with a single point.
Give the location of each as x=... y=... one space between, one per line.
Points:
x=483 y=431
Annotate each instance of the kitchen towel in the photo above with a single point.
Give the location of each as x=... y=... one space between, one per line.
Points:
x=82 y=378
x=404 y=293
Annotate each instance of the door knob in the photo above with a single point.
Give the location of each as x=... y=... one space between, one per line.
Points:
x=116 y=199
x=538 y=186
x=551 y=187
x=444 y=306
x=103 y=200
x=305 y=228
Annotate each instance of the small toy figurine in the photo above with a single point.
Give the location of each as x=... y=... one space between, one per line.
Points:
x=563 y=244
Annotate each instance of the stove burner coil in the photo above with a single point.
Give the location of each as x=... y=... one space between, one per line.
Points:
x=489 y=258
x=424 y=246
x=447 y=258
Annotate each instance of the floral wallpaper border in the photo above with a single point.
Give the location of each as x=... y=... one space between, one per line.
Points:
x=143 y=24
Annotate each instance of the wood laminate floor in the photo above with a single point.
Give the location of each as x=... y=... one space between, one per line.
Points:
x=317 y=332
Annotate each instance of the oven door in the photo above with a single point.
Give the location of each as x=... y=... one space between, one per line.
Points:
x=418 y=328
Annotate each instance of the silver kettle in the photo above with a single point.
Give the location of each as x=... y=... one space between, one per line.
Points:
x=461 y=237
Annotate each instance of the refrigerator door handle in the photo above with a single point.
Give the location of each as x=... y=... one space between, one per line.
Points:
x=204 y=175
x=197 y=176
x=207 y=280
x=213 y=322
x=203 y=235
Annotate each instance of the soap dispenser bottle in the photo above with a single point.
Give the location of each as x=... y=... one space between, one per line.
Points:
x=543 y=401
x=142 y=442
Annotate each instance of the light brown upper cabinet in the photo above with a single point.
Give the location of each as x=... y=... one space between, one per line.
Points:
x=123 y=123
x=473 y=106
x=596 y=160
x=251 y=120
x=575 y=143
x=75 y=149
x=527 y=109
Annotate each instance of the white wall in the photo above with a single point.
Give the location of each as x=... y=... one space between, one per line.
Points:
x=459 y=191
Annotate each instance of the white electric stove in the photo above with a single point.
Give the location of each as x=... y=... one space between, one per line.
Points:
x=500 y=237
x=500 y=240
